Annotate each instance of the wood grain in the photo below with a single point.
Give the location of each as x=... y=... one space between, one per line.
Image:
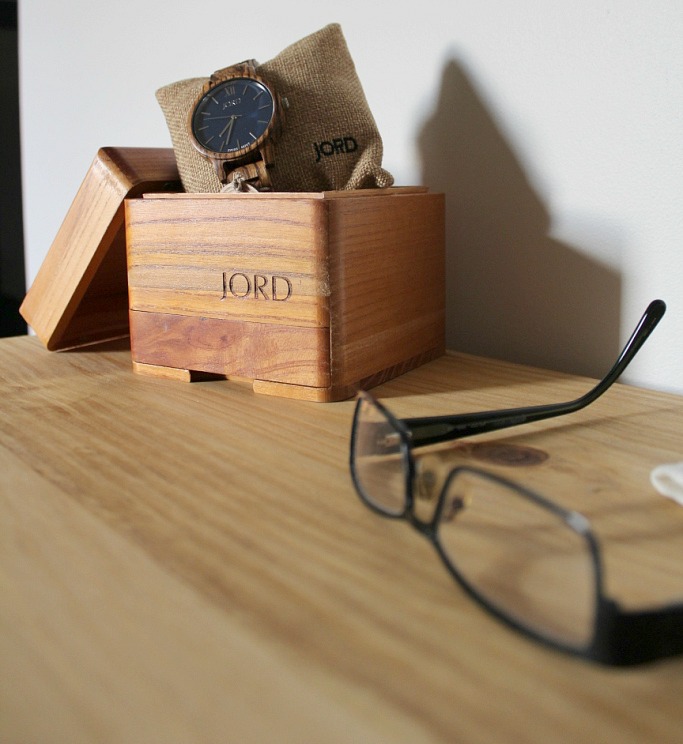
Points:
x=191 y=563
x=233 y=348
x=388 y=287
x=180 y=250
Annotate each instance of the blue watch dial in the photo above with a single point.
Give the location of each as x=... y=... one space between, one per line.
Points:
x=233 y=116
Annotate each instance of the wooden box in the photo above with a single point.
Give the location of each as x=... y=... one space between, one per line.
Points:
x=308 y=295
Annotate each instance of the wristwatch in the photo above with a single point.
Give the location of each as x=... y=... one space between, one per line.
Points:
x=233 y=124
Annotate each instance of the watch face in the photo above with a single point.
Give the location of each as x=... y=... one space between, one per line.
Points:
x=233 y=116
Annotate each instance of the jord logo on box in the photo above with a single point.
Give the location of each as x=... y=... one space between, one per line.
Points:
x=256 y=287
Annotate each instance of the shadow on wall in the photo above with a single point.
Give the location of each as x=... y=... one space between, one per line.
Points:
x=512 y=291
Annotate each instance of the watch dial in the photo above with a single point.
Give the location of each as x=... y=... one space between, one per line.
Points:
x=233 y=115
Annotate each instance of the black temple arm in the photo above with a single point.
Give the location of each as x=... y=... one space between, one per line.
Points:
x=433 y=429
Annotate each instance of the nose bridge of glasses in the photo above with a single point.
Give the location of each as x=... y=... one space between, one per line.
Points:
x=431 y=472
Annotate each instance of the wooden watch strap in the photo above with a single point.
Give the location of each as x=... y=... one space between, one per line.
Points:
x=246 y=67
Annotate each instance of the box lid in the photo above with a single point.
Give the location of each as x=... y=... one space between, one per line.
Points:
x=80 y=294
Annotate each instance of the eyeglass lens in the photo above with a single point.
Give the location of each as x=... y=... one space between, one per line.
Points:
x=517 y=553
x=520 y=556
x=378 y=460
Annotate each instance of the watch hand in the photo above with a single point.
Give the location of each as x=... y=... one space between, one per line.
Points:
x=229 y=125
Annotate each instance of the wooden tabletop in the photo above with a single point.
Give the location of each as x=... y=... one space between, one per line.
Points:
x=190 y=563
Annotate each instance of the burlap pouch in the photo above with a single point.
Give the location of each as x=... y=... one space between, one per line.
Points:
x=329 y=139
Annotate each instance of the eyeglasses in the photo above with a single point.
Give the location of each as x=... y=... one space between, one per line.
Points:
x=525 y=559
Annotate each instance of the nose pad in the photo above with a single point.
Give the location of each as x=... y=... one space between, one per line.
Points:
x=453 y=506
x=426 y=486
x=426 y=478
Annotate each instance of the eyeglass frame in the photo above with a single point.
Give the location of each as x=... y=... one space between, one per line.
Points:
x=619 y=638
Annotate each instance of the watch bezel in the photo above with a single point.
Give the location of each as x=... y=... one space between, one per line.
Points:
x=235 y=155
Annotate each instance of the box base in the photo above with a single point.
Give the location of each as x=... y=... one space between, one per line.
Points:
x=288 y=390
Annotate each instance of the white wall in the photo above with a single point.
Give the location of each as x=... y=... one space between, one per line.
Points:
x=555 y=129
